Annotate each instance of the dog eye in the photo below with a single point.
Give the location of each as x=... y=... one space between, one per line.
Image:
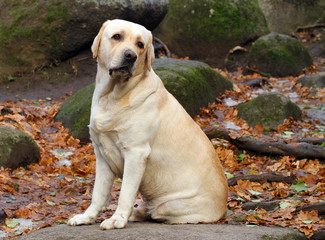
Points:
x=140 y=45
x=117 y=36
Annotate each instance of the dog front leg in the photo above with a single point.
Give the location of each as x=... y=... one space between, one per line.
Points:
x=103 y=183
x=134 y=166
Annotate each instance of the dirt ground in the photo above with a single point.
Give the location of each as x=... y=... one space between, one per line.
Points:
x=53 y=82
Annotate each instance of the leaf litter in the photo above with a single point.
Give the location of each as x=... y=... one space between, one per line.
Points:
x=60 y=185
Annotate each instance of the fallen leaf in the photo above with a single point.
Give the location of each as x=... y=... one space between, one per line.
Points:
x=300 y=186
x=11 y=223
x=50 y=203
x=256 y=193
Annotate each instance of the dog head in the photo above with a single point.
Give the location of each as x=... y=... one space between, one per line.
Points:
x=125 y=49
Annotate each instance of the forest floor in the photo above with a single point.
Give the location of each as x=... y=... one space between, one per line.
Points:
x=60 y=185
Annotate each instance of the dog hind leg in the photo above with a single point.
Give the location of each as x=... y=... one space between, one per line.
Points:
x=139 y=213
x=185 y=211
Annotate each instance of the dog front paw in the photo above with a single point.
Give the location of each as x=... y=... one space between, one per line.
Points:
x=81 y=219
x=116 y=221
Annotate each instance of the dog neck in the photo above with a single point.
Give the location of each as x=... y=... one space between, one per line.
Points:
x=116 y=85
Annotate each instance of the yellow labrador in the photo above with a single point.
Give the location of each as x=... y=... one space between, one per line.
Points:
x=142 y=134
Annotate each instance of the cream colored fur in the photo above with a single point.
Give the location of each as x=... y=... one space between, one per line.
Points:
x=142 y=134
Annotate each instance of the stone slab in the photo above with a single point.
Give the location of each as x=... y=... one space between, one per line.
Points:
x=155 y=231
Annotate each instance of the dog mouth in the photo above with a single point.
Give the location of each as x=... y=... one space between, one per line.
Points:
x=124 y=70
x=121 y=73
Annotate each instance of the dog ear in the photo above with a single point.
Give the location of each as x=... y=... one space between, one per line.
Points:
x=150 y=55
x=97 y=40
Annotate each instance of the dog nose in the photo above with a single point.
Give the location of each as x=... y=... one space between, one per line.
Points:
x=130 y=56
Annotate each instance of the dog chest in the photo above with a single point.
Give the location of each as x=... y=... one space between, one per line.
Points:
x=102 y=120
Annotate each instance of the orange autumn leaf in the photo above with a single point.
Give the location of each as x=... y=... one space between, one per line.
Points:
x=308 y=216
x=16 y=117
x=259 y=129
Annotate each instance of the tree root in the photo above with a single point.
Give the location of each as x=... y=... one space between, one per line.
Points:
x=269 y=177
x=168 y=54
x=318 y=235
x=299 y=149
x=320 y=207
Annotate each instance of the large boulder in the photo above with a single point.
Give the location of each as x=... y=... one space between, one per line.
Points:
x=17 y=149
x=193 y=83
x=279 y=55
x=206 y=30
x=284 y=16
x=34 y=34
x=268 y=110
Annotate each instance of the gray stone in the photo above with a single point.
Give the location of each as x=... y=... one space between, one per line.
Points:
x=284 y=16
x=268 y=110
x=34 y=34
x=317 y=49
x=17 y=149
x=279 y=55
x=194 y=84
x=316 y=115
x=153 y=231
x=313 y=81
x=206 y=30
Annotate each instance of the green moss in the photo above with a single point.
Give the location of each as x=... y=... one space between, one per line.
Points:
x=15 y=27
x=55 y=11
x=31 y=34
x=56 y=18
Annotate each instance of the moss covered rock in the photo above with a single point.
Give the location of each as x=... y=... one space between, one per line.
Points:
x=206 y=30
x=17 y=149
x=75 y=113
x=193 y=83
x=36 y=33
x=279 y=55
x=268 y=110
